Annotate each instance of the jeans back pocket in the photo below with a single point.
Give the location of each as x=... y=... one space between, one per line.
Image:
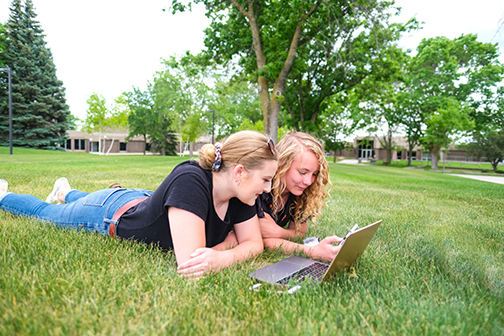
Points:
x=98 y=198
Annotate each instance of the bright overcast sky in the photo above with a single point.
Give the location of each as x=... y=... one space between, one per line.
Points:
x=109 y=46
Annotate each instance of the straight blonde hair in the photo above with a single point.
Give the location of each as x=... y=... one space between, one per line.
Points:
x=248 y=148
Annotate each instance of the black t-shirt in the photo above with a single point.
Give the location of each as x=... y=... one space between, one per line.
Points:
x=264 y=203
x=188 y=187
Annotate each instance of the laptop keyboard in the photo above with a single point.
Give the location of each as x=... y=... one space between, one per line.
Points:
x=315 y=271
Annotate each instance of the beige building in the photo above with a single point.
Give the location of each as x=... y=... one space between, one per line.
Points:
x=111 y=142
x=114 y=142
x=370 y=147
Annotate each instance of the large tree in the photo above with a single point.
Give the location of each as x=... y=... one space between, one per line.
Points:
x=444 y=71
x=141 y=117
x=359 y=50
x=2 y=44
x=4 y=87
x=488 y=112
x=443 y=125
x=40 y=112
x=97 y=118
x=412 y=121
x=269 y=36
x=375 y=102
x=235 y=104
x=491 y=145
x=337 y=127
x=488 y=135
x=151 y=124
x=100 y=118
x=182 y=97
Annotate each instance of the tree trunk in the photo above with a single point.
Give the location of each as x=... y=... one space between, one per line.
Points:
x=387 y=143
x=434 y=156
x=410 y=152
x=191 y=149
x=262 y=89
x=279 y=87
x=389 y=146
x=273 y=121
x=271 y=106
x=495 y=164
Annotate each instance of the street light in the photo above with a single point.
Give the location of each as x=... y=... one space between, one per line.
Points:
x=8 y=70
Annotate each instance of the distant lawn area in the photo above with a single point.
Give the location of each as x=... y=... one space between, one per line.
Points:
x=435 y=266
x=456 y=166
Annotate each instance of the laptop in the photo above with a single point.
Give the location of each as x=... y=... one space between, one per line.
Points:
x=297 y=269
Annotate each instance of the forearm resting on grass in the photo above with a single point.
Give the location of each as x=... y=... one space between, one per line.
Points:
x=229 y=242
x=325 y=250
x=269 y=229
x=194 y=259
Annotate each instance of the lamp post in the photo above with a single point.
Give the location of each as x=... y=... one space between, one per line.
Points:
x=8 y=70
x=213 y=124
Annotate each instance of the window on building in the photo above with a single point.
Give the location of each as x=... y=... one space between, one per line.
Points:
x=426 y=156
x=122 y=146
x=79 y=144
x=148 y=147
x=366 y=150
x=94 y=147
x=399 y=155
x=68 y=144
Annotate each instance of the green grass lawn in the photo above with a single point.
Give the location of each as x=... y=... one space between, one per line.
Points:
x=435 y=266
x=457 y=166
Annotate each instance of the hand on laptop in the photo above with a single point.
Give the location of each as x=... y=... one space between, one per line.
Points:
x=325 y=250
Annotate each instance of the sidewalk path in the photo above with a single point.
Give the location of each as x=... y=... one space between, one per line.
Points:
x=493 y=179
x=349 y=162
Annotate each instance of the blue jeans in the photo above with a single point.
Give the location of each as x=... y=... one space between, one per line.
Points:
x=88 y=211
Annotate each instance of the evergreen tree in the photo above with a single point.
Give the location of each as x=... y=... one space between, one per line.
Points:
x=4 y=87
x=2 y=44
x=40 y=112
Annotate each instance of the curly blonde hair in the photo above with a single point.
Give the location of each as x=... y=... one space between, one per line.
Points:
x=310 y=204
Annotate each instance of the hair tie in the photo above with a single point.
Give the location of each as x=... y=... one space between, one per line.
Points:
x=218 y=157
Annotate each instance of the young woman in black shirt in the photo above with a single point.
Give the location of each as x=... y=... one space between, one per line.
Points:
x=191 y=212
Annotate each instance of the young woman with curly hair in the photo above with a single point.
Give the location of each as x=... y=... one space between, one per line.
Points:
x=298 y=193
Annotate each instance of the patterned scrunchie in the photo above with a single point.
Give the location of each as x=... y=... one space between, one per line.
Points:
x=218 y=157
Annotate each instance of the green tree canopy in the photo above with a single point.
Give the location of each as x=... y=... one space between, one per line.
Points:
x=337 y=127
x=97 y=114
x=100 y=118
x=306 y=40
x=182 y=97
x=443 y=124
x=446 y=75
x=236 y=105
x=491 y=146
x=375 y=102
x=2 y=44
x=141 y=118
